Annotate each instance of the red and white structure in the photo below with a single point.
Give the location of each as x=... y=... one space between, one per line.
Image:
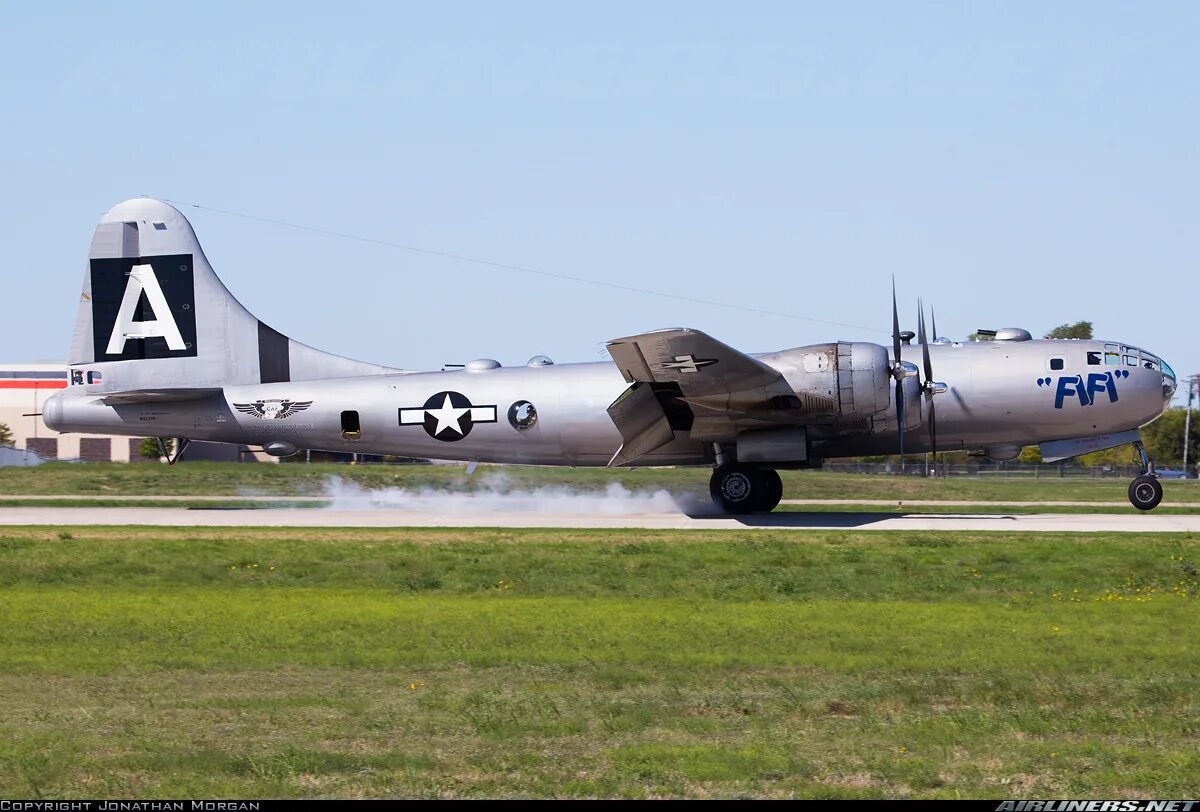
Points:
x=23 y=390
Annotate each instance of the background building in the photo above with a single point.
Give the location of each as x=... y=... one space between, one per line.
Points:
x=24 y=389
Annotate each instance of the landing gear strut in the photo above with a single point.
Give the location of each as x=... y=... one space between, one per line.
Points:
x=740 y=489
x=1145 y=492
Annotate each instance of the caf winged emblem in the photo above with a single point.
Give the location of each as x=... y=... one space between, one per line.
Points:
x=278 y=409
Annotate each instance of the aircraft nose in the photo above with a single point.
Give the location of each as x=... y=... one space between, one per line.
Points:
x=1170 y=382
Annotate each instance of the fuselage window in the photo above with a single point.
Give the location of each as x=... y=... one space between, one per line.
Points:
x=522 y=415
x=1131 y=360
x=1093 y=358
x=351 y=429
x=1112 y=359
x=1056 y=363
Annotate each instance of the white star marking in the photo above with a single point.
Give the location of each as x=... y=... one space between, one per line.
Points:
x=447 y=416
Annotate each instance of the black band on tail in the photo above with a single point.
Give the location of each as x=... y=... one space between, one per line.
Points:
x=273 y=362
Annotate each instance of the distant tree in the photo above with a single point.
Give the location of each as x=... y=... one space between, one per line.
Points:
x=1121 y=455
x=980 y=337
x=1030 y=454
x=150 y=450
x=1080 y=329
x=6 y=437
x=1164 y=443
x=1164 y=438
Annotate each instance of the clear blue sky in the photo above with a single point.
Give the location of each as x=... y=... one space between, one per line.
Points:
x=1017 y=164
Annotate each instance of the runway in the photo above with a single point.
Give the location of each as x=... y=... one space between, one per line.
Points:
x=367 y=499
x=283 y=517
x=372 y=499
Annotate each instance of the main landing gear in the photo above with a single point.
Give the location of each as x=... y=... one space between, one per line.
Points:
x=741 y=489
x=1145 y=492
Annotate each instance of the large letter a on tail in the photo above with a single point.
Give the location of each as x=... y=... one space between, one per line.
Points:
x=142 y=280
x=143 y=307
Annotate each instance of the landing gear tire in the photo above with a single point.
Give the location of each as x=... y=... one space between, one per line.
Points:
x=1145 y=492
x=737 y=489
x=773 y=492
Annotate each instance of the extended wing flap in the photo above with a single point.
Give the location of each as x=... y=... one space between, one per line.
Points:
x=640 y=417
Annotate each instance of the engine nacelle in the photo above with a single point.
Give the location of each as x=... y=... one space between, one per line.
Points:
x=845 y=383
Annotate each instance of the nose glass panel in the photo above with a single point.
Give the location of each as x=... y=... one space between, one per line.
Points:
x=1169 y=382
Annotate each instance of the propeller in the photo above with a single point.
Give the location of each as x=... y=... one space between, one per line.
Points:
x=900 y=369
x=897 y=370
x=929 y=387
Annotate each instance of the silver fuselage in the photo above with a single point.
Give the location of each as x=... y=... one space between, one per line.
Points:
x=999 y=394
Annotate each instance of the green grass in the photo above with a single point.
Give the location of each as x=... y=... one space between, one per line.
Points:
x=183 y=503
x=111 y=479
x=901 y=508
x=450 y=662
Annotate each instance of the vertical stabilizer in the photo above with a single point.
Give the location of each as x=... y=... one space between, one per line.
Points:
x=154 y=315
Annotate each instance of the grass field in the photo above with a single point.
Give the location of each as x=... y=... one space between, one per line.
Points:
x=233 y=479
x=167 y=662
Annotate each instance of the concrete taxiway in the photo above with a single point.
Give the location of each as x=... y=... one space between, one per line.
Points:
x=368 y=498
x=283 y=517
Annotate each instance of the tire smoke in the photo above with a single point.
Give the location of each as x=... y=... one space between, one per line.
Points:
x=494 y=493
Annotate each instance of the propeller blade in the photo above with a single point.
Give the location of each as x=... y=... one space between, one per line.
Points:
x=895 y=326
x=933 y=427
x=933 y=323
x=928 y=385
x=924 y=339
x=896 y=371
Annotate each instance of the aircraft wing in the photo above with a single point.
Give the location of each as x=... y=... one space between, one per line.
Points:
x=722 y=391
x=695 y=360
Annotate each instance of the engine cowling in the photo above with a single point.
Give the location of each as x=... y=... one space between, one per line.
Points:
x=843 y=384
x=864 y=380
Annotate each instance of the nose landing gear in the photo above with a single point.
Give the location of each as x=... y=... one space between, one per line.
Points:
x=1145 y=492
x=740 y=489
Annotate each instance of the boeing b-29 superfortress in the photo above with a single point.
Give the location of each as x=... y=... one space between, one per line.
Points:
x=162 y=348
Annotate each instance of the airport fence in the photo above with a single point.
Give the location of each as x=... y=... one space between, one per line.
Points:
x=917 y=467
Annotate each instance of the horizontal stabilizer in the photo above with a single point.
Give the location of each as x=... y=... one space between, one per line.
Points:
x=159 y=395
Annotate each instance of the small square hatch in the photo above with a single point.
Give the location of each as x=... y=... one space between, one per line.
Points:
x=351 y=429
